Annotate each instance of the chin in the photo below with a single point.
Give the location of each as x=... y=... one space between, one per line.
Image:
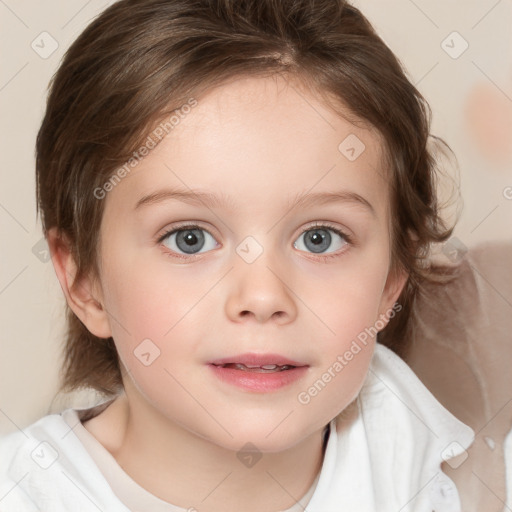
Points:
x=274 y=438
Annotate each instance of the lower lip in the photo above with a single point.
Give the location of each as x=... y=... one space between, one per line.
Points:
x=260 y=382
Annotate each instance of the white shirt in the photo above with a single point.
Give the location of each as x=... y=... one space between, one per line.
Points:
x=383 y=453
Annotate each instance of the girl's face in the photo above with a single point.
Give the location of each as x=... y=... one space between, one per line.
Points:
x=259 y=225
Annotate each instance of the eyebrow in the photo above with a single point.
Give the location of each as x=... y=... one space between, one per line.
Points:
x=213 y=201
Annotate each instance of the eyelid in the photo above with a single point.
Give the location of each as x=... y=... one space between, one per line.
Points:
x=164 y=233
x=345 y=233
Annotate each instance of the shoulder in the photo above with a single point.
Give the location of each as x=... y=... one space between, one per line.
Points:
x=410 y=434
x=33 y=443
x=392 y=387
x=24 y=454
x=399 y=435
x=45 y=467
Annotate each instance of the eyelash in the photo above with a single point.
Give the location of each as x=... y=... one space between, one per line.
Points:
x=348 y=238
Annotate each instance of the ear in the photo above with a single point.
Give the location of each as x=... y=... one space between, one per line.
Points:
x=83 y=296
x=395 y=283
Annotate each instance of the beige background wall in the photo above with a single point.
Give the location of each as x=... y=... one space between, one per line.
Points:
x=470 y=93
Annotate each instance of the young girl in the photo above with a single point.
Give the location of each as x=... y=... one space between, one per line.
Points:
x=239 y=198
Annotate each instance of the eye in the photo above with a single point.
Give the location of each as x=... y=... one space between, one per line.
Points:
x=321 y=239
x=189 y=240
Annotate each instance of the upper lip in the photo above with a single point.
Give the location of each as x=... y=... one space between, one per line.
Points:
x=253 y=359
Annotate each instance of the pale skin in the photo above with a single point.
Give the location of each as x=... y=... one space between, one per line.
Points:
x=176 y=430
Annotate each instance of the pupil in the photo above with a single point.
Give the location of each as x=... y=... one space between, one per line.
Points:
x=191 y=239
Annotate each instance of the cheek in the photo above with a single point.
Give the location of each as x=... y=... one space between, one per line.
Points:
x=157 y=319
x=347 y=309
x=345 y=301
x=148 y=299
x=154 y=337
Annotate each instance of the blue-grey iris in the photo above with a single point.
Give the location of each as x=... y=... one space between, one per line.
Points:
x=190 y=240
x=317 y=240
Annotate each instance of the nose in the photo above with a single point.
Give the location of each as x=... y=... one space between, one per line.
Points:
x=260 y=293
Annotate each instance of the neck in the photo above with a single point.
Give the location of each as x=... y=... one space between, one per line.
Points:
x=188 y=471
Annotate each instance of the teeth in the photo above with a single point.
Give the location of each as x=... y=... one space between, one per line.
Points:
x=261 y=369
x=264 y=367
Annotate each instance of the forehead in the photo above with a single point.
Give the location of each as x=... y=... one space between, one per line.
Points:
x=255 y=138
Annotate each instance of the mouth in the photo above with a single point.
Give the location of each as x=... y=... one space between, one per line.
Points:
x=259 y=373
x=258 y=363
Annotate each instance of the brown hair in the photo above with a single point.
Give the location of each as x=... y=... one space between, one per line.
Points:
x=141 y=59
